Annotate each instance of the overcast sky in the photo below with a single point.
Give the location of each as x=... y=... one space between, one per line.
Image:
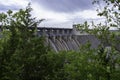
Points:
x=57 y=13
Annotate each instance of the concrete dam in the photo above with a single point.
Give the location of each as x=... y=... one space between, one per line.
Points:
x=65 y=39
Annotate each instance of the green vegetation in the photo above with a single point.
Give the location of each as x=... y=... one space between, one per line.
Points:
x=23 y=55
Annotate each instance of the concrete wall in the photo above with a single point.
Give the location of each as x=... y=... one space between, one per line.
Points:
x=66 y=38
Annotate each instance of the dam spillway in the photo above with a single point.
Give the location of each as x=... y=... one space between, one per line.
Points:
x=65 y=39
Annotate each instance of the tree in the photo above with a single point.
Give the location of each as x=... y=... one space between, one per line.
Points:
x=107 y=55
x=110 y=11
x=22 y=52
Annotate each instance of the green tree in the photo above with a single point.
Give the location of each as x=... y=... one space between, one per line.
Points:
x=107 y=55
x=22 y=52
x=110 y=10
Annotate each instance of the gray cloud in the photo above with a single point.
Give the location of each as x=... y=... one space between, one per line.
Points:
x=9 y=7
x=66 y=5
x=57 y=5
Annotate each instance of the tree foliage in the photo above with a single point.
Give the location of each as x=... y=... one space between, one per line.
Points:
x=23 y=55
x=22 y=52
x=111 y=11
x=108 y=51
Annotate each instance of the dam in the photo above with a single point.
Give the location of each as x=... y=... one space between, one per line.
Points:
x=65 y=39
